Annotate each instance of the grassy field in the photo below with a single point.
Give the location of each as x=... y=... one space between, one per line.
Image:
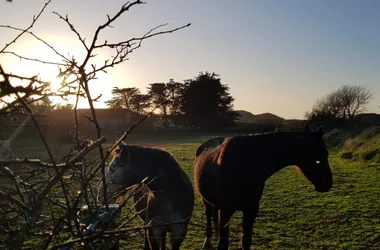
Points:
x=292 y=215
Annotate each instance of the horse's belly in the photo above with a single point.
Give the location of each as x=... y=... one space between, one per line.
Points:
x=240 y=193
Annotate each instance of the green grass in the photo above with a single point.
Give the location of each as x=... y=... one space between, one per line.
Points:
x=292 y=215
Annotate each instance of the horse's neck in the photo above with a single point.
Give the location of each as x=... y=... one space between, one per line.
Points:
x=284 y=156
x=278 y=153
x=161 y=181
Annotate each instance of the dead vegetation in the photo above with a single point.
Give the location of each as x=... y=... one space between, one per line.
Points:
x=42 y=201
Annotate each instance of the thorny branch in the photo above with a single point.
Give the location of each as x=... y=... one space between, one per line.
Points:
x=36 y=193
x=35 y=18
x=32 y=59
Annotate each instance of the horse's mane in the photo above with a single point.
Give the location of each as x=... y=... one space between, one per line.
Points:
x=163 y=158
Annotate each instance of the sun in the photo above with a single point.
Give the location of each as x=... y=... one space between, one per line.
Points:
x=100 y=88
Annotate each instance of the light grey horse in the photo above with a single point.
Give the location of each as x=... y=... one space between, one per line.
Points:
x=168 y=197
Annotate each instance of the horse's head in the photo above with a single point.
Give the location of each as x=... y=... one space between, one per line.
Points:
x=122 y=172
x=312 y=158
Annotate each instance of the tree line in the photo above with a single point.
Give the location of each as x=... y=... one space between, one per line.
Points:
x=205 y=102
x=202 y=101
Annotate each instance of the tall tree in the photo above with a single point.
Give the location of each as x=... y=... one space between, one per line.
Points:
x=174 y=94
x=160 y=97
x=123 y=98
x=207 y=101
x=141 y=103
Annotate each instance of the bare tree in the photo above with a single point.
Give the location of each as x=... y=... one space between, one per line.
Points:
x=39 y=195
x=353 y=99
x=343 y=103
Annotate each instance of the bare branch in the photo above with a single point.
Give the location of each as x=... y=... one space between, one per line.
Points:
x=149 y=34
x=10 y=198
x=33 y=59
x=66 y=19
x=38 y=38
x=130 y=130
x=35 y=18
x=123 y=9
x=35 y=163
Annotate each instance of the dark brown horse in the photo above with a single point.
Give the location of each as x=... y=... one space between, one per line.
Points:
x=211 y=211
x=231 y=177
x=168 y=197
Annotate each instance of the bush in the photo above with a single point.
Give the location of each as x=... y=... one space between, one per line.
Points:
x=336 y=138
x=346 y=155
x=370 y=155
x=365 y=146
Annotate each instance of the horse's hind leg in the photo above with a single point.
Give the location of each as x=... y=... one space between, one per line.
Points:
x=207 y=244
x=224 y=227
x=178 y=233
x=215 y=214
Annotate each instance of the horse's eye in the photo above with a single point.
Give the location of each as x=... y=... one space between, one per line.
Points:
x=317 y=162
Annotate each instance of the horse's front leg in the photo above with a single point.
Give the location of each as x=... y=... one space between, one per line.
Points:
x=155 y=237
x=207 y=244
x=163 y=240
x=146 y=244
x=249 y=216
x=224 y=227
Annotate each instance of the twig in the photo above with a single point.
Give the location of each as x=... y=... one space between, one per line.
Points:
x=125 y=134
x=33 y=59
x=115 y=232
x=35 y=163
x=4 y=196
x=38 y=38
x=66 y=19
x=35 y=18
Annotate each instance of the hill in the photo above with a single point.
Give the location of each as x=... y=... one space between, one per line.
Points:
x=265 y=118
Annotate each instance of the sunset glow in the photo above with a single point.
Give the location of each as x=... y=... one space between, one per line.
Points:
x=273 y=56
x=49 y=72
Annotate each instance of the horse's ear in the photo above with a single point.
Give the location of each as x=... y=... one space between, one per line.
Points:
x=320 y=131
x=306 y=127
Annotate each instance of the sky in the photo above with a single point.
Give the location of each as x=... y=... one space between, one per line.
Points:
x=276 y=56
